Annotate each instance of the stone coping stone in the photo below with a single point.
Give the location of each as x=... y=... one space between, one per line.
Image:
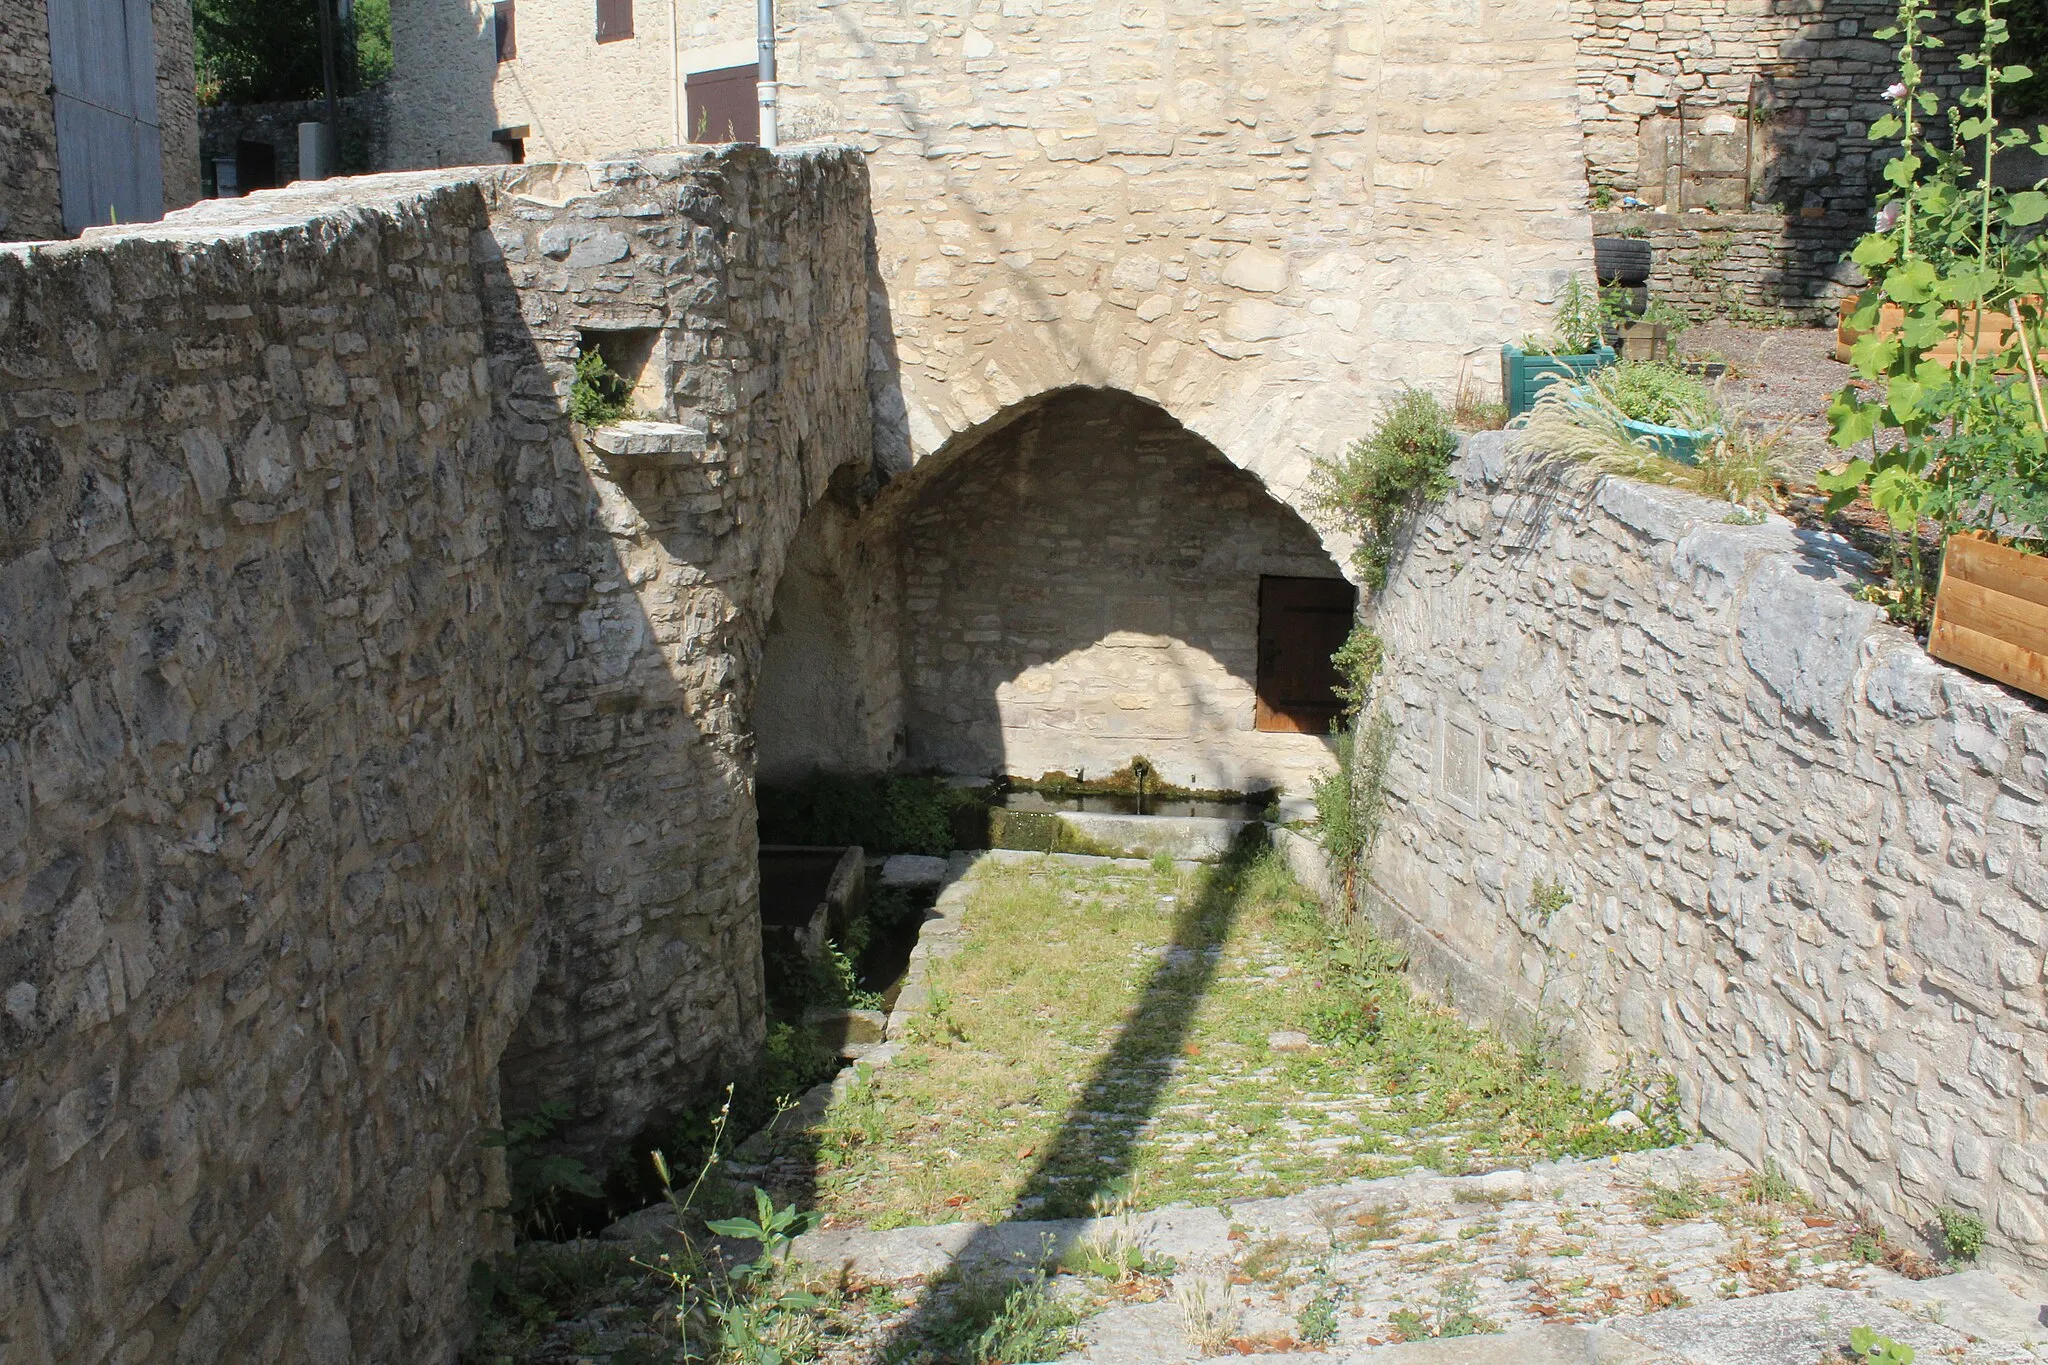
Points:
x=1193 y=838
x=914 y=870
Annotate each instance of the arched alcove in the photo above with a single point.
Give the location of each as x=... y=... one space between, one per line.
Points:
x=1083 y=582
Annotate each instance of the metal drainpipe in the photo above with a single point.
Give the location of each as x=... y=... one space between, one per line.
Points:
x=765 y=25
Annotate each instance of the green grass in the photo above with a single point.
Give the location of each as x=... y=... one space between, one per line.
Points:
x=1095 y=1032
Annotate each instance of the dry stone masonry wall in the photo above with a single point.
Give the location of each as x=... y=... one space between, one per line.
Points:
x=342 y=699
x=1804 y=861
x=1766 y=263
x=260 y=761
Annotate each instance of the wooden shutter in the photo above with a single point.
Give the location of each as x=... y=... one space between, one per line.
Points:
x=614 y=20
x=1302 y=621
x=109 y=149
x=723 y=105
x=502 y=30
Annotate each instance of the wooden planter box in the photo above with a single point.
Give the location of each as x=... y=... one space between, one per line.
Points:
x=1991 y=614
x=1994 y=332
x=1524 y=375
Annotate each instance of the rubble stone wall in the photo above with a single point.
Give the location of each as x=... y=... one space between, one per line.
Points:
x=350 y=700
x=657 y=548
x=1718 y=265
x=29 y=205
x=1687 y=103
x=261 y=756
x=1804 y=861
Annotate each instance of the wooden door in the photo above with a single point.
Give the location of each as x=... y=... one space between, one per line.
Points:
x=1302 y=621
x=109 y=151
x=723 y=106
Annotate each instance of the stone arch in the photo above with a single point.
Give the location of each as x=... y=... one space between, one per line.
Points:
x=1068 y=585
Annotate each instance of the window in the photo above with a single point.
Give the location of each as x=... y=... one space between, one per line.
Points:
x=614 y=20
x=501 y=30
x=723 y=105
x=1302 y=621
x=513 y=140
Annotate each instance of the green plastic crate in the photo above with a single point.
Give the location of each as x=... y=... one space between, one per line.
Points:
x=1524 y=375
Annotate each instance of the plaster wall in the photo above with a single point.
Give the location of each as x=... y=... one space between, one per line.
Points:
x=1804 y=860
x=1083 y=587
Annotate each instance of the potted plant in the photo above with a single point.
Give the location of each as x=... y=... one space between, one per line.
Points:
x=1663 y=408
x=1573 y=348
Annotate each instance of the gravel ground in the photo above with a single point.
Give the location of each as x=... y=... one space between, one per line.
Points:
x=1783 y=379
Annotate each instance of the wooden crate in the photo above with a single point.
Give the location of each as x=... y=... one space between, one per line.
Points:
x=1992 y=332
x=1991 y=614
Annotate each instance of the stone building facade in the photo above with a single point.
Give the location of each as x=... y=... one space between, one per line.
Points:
x=567 y=92
x=1801 y=862
x=369 y=741
x=30 y=189
x=29 y=207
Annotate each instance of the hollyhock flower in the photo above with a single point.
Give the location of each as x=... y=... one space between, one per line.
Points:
x=1888 y=216
x=1895 y=91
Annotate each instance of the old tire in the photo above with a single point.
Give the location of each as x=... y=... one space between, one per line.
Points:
x=1621 y=260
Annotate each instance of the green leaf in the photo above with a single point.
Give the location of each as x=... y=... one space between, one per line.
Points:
x=1900 y=495
x=2015 y=73
x=1903 y=397
x=1850 y=420
x=1873 y=354
x=1970 y=129
x=1912 y=282
x=1888 y=125
x=1874 y=249
x=746 y=1229
x=2026 y=207
x=1861 y=1339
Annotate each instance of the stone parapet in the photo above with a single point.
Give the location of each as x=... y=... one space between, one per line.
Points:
x=1665 y=792
x=362 y=740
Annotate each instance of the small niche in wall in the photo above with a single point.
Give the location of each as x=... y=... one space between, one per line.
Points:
x=635 y=355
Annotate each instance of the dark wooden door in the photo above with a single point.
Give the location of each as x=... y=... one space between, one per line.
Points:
x=723 y=106
x=1302 y=621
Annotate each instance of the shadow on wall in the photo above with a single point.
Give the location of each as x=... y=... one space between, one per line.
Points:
x=1080 y=584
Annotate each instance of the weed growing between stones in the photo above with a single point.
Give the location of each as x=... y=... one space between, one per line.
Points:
x=598 y=396
x=1377 y=485
x=991 y=1319
x=1962 y=1234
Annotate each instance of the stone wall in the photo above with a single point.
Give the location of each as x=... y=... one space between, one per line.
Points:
x=657 y=548
x=29 y=208
x=1082 y=587
x=260 y=771
x=1263 y=217
x=177 y=101
x=450 y=92
x=349 y=698
x=1805 y=862
x=1721 y=264
x=365 y=132
x=1775 y=98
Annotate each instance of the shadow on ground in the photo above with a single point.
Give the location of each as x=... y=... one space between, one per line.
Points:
x=1087 y=1166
